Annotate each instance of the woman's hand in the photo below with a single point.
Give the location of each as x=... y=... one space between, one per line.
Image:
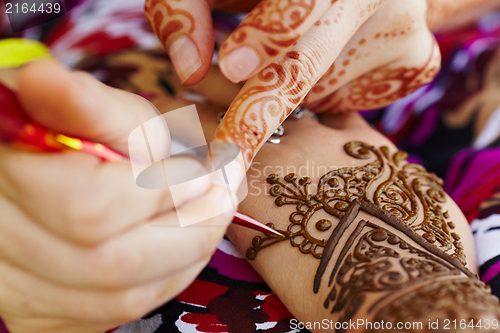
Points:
x=82 y=247
x=344 y=55
x=358 y=55
x=376 y=269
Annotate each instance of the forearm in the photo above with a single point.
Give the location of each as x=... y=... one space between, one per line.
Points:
x=371 y=237
x=449 y=14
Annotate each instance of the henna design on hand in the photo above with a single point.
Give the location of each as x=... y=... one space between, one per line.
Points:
x=282 y=87
x=407 y=190
x=276 y=20
x=458 y=299
x=168 y=22
x=390 y=264
x=375 y=259
x=440 y=12
x=375 y=89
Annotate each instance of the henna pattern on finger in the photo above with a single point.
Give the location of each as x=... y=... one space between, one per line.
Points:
x=281 y=87
x=375 y=89
x=273 y=23
x=168 y=22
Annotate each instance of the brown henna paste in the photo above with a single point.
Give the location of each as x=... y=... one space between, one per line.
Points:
x=385 y=251
x=245 y=121
x=408 y=192
x=458 y=299
x=375 y=259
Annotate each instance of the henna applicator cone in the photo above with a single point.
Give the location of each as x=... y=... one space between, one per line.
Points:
x=247 y=221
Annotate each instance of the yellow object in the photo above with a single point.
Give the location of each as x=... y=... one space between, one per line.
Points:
x=70 y=142
x=16 y=51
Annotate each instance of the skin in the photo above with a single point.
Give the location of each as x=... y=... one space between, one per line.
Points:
x=347 y=55
x=82 y=255
x=449 y=14
x=325 y=50
x=75 y=242
x=91 y=262
x=300 y=151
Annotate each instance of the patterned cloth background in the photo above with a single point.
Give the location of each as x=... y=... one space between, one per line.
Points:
x=452 y=126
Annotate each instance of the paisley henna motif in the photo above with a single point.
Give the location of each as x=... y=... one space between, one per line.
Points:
x=245 y=122
x=407 y=193
x=168 y=22
x=274 y=23
x=382 y=246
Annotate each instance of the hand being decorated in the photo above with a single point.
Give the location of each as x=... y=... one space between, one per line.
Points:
x=328 y=55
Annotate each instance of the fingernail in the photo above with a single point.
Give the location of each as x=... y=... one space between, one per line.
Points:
x=240 y=63
x=185 y=57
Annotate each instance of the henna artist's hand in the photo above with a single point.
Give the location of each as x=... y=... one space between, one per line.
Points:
x=79 y=250
x=366 y=232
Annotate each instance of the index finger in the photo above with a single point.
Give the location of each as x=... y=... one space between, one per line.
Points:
x=269 y=97
x=83 y=200
x=270 y=29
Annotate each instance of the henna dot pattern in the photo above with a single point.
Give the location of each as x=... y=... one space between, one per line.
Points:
x=378 y=87
x=245 y=122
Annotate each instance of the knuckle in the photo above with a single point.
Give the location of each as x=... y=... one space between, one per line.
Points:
x=133 y=304
x=313 y=57
x=428 y=62
x=110 y=265
x=15 y=166
x=87 y=211
x=209 y=239
x=301 y=69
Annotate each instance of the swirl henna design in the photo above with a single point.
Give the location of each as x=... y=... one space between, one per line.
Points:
x=458 y=299
x=386 y=267
x=282 y=87
x=167 y=22
x=275 y=22
x=401 y=189
x=374 y=89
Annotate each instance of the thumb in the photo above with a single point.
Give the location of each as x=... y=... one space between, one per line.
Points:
x=78 y=105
